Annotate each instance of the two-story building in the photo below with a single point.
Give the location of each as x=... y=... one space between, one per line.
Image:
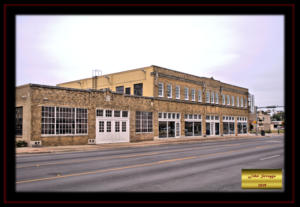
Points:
x=142 y=104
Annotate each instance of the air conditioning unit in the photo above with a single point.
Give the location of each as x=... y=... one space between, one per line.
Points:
x=36 y=143
x=91 y=141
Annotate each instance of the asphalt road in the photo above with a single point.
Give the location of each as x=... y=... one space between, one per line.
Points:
x=200 y=167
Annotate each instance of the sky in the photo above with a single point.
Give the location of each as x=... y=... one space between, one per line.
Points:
x=247 y=51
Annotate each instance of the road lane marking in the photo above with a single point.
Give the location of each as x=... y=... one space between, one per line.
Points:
x=266 y=158
x=132 y=166
x=123 y=156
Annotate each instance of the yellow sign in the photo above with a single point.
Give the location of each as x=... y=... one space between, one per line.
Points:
x=254 y=122
x=261 y=178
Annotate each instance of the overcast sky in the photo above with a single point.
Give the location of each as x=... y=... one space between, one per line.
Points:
x=246 y=51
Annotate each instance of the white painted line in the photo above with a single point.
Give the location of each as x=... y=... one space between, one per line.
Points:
x=273 y=141
x=266 y=158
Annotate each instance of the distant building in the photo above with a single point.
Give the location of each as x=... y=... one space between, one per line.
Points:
x=264 y=121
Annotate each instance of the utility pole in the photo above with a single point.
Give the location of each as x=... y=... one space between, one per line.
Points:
x=256 y=120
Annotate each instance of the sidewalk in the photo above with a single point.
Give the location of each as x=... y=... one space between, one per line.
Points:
x=77 y=148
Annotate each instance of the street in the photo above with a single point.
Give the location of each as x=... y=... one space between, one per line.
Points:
x=189 y=167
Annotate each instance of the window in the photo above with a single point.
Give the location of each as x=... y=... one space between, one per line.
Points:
x=245 y=102
x=193 y=94
x=178 y=116
x=117 y=126
x=108 y=126
x=138 y=89
x=117 y=113
x=169 y=91
x=63 y=120
x=127 y=91
x=207 y=96
x=237 y=101
x=177 y=92
x=160 y=89
x=81 y=121
x=207 y=117
x=101 y=126
x=242 y=102
x=186 y=93
x=159 y=115
x=223 y=99
x=228 y=100
x=177 y=129
x=144 y=121
x=108 y=113
x=232 y=100
x=99 y=112
x=212 y=97
x=120 y=89
x=19 y=120
x=199 y=95
x=124 y=113
x=217 y=98
x=124 y=126
x=48 y=120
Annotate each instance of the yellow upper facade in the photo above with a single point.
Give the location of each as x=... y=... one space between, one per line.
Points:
x=147 y=81
x=128 y=79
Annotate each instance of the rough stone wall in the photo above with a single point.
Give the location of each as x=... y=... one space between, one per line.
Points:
x=23 y=99
x=53 y=96
x=62 y=98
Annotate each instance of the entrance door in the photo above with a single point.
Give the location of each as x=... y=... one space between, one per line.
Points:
x=171 y=129
x=217 y=128
x=112 y=129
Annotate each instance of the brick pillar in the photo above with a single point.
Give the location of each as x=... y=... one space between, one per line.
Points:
x=204 y=125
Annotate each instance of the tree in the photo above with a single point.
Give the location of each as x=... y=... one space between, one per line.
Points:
x=279 y=116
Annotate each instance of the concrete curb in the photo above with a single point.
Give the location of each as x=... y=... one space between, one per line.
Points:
x=84 y=148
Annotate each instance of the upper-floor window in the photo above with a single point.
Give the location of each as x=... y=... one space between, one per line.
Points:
x=138 y=89
x=212 y=97
x=223 y=99
x=217 y=98
x=232 y=100
x=207 y=97
x=177 y=92
x=193 y=94
x=242 y=102
x=169 y=91
x=246 y=103
x=228 y=100
x=120 y=89
x=127 y=91
x=199 y=95
x=160 y=89
x=186 y=93
x=19 y=120
x=238 y=101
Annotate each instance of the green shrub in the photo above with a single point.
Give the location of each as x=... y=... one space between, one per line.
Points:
x=21 y=143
